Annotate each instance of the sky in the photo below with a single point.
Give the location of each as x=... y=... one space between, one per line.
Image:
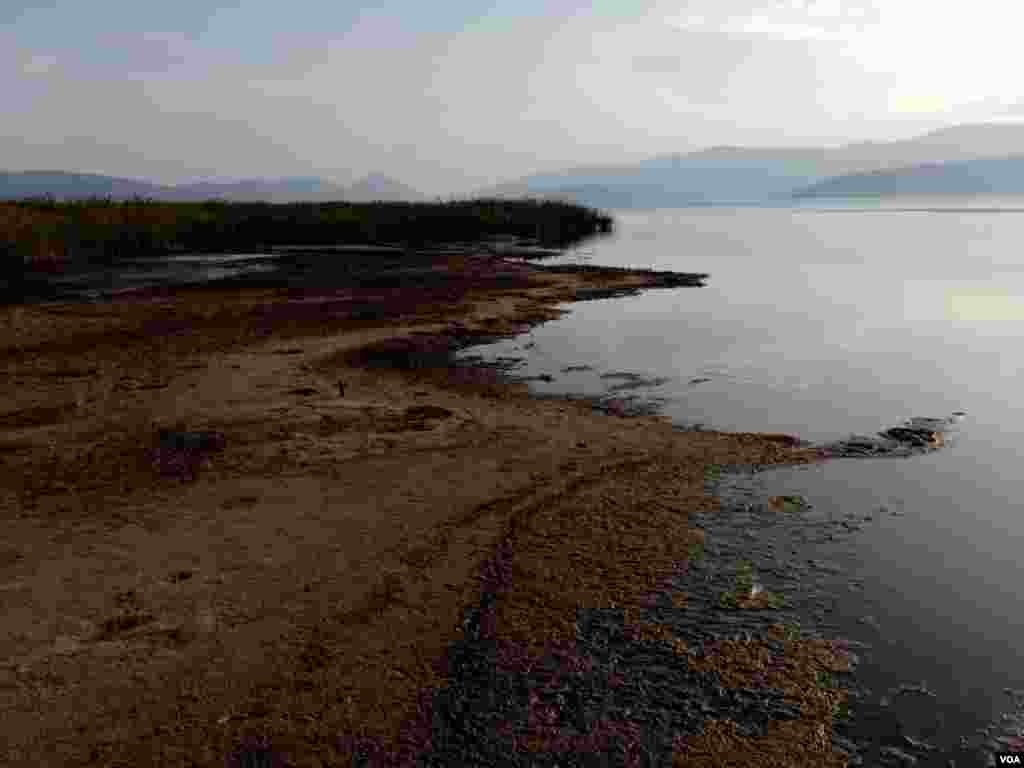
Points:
x=453 y=96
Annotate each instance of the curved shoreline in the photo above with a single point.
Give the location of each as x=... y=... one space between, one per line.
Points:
x=383 y=530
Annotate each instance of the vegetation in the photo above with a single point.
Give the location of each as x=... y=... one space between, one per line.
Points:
x=746 y=593
x=695 y=551
x=825 y=679
x=791 y=631
x=43 y=232
x=790 y=504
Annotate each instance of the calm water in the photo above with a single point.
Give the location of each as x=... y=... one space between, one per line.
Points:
x=825 y=322
x=99 y=284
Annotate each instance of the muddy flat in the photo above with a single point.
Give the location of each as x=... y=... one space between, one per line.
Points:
x=266 y=517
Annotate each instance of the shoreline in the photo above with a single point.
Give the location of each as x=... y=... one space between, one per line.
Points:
x=343 y=539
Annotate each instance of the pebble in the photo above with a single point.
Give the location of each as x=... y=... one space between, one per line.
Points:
x=920 y=745
x=896 y=756
x=870 y=621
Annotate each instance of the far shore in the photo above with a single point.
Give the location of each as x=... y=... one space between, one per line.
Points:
x=368 y=530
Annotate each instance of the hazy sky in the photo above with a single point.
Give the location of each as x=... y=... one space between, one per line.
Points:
x=453 y=95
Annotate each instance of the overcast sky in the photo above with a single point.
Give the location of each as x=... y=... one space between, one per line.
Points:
x=453 y=95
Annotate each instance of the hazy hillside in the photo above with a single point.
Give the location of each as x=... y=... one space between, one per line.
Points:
x=598 y=196
x=1003 y=176
x=285 y=190
x=667 y=182
x=719 y=174
x=64 y=186
x=378 y=187
x=758 y=174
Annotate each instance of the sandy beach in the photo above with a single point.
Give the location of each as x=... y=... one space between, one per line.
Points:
x=300 y=586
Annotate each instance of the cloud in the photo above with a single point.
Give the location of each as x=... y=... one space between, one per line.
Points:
x=907 y=59
x=818 y=21
x=39 y=64
x=452 y=96
x=658 y=63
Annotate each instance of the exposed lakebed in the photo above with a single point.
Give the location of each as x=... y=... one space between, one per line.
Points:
x=825 y=327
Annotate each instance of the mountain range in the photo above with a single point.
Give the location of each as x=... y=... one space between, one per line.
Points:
x=965 y=159
x=972 y=159
x=63 y=185
x=984 y=176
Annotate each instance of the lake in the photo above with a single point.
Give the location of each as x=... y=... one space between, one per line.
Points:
x=826 y=319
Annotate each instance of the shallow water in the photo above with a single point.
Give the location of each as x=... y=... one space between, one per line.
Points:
x=825 y=321
x=97 y=283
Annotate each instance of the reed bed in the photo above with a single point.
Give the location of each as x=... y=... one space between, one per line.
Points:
x=43 y=233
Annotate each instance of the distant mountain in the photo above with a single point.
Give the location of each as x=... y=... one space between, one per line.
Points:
x=676 y=180
x=599 y=196
x=757 y=174
x=669 y=187
x=64 y=186
x=286 y=190
x=995 y=138
x=1000 y=176
x=379 y=187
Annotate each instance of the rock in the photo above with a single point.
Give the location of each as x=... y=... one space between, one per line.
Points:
x=427 y=412
x=917 y=437
x=192 y=441
x=919 y=690
x=787 y=503
x=896 y=756
x=918 y=434
x=181 y=454
x=918 y=745
x=870 y=621
x=254 y=754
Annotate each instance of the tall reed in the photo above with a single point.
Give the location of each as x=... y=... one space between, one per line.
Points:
x=41 y=233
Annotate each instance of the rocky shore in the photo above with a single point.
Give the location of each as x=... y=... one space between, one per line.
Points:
x=275 y=524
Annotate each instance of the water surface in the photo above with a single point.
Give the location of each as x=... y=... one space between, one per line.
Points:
x=827 y=319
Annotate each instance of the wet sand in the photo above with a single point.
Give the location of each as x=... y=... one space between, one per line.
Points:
x=350 y=565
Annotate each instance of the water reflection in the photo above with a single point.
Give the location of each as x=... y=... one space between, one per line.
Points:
x=825 y=323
